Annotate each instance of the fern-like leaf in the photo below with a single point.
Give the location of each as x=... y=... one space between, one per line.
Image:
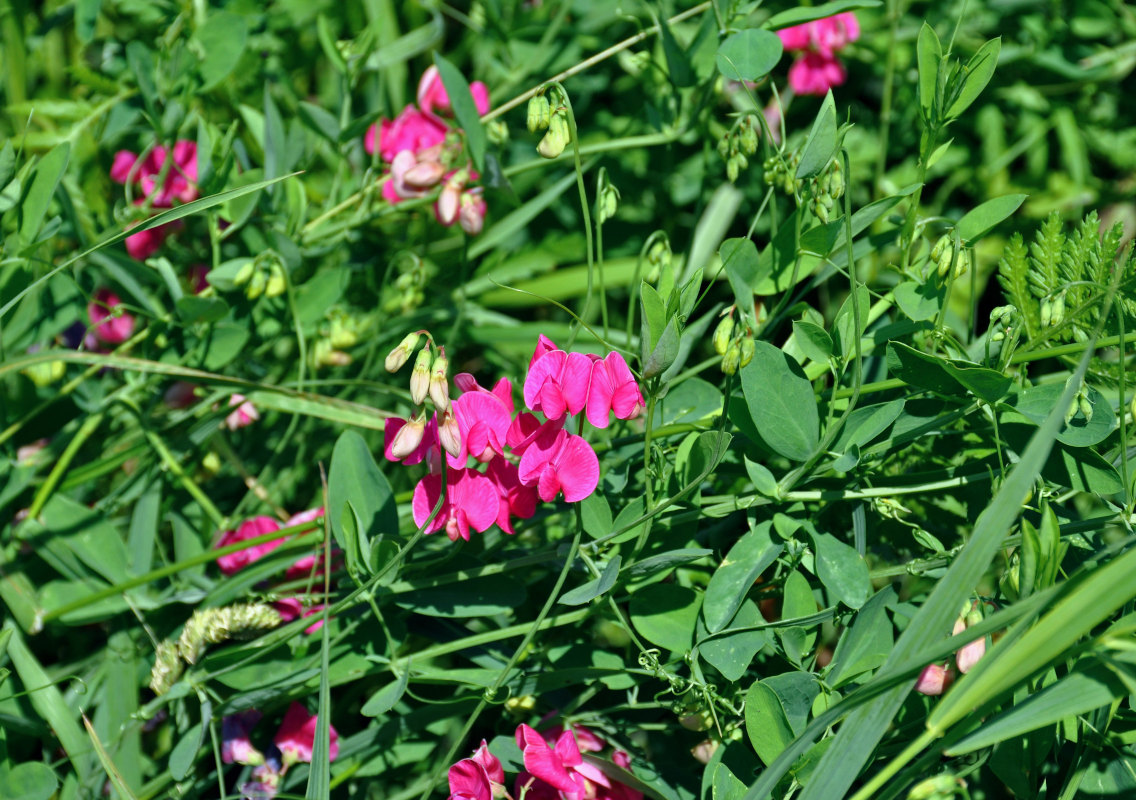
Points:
x=1014 y=275
x=1045 y=252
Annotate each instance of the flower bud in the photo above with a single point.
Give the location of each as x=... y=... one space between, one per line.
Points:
x=722 y=335
x=539 y=112
x=439 y=382
x=277 y=283
x=401 y=353
x=731 y=359
x=732 y=169
x=424 y=174
x=497 y=132
x=557 y=138
x=244 y=274
x=747 y=140
x=747 y=348
x=963 y=264
x=408 y=438
x=256 y=285
x=609 y=203
x=724 y=147
x=420 y=376
x=940 y=787
x=1085 y=406
x=1058 y=309
x=932 y=680
x=822 y=213
x=940 y=247
x=449 y=435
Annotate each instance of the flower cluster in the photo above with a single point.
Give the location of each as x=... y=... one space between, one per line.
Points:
x=524 y=458
x=180 y=184
x=289 y=608
x=293 y=743
x=110 y=325
x=818 y=69
x=936 y=678
x=554 y=769
x=424 y=152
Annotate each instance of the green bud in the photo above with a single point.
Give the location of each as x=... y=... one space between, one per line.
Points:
x=1046 y=313
x=420 y=376
x=1085 y=406
x=962 y=264
x=940 y=787
x=723 y=334
x=497 y=132
x=538 y=113
x=1058 y=309
x=747 y=350
x=609 y=203
x=401 y=354
x=732 y=359
x=732 y=168
x=244 y=274
x=821 y=213
x=277 y=283
x=748 y=138
x=256 y=285
x=724 y=147
x=557 y=137
x=941 y=246
x=439 y=381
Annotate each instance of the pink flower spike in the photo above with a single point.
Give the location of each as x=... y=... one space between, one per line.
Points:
x=109 y=329
x=613 y=388
x=297 y=735
x=560 y=461
x=471 y=502
x=249 y=529
x=124 y=161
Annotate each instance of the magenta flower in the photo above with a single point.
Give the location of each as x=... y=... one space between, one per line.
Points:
x=181 y=394
x=557 y=461
x=933 y=680
x=236 y=748
x=471 y=501
x=413 y=446
x=969 y=654
x=291 y=608
x=612 y=388
x=817 y=69
x=249 y=529
x=110 y=328
x=516 y=499
x=144 y=244
x=411 y=130
x=432 y=95
x=557 y=383
x=245 y=414
x=555 y=761
x=297 y=736
x=179 y=185
x=471 y=217
x=484 y=421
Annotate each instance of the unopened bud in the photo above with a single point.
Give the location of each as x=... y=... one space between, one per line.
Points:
x=747 y=350
x=424 y=174
x=822 y=213
x=497 y=132
x=449 y=435
x=1086 y=406
x=724 y=147
x=722 y=335
x=256 y=285
x=408 y=438
x=940 y=787
x=557 y=137
x=732 y=169
x=1046 y=313
x=439 y=381
x=1058 y=309
x=244 y=274
x=539 y=113
x=747 y=140
x=940 y=247
x=609 y=203
x=731 y=359
x=420 y=376
x=277 y=283
x=343 y=333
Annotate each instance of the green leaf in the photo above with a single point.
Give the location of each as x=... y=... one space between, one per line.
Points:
x=465 y=110
x=803 y=14
x=594 y=588
x=813 y=340
x=763 y=479
x=86 y=16
x=319 y=778
x=222 y=39
x=595 y=512
x=665 y=561
x=865 y=423
x=654 y=318
x=1036 y=402
x=781 y=403
x=732 y=580
x=842 y=570
x=920 y=301
x=742 y=266
x=678 y=61
x=665 y=351
x=185 y=752
x=944 y=376
x=385 y=698
x=726 y=786
x=732 y=653
x=929 y=54
x=981 y=219
x=665 y=615
x=45 y=177
x=749 y=55
x=820 y=147
x=766 y=723
x=29 y=781
x=355 y=478
x=478 y=597
x=866 y=643
x=975 y=75
x=193 y=309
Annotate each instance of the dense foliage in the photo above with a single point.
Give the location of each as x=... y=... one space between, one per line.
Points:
x=567 y=400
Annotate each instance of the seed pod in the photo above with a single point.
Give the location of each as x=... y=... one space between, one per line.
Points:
x=722 y=335
x=420 y=376
x=538 y=113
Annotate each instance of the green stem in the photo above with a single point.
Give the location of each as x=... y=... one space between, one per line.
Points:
x=878 y=780
x=889 y=85
x=86 y=430
x=579 y=167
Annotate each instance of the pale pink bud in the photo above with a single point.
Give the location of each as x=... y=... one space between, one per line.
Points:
x=933 y=680
x=424 y=174
x=409 y=436
x=449 y=203
x=401 y=354
x=439 y=381
x=968 y=655
x=472 y=213
x=420 y=376
x=449 y=434
x=245 y=414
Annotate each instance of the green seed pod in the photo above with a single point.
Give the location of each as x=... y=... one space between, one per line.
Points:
x=722 y=335
x=538 y=113
x=747 y=350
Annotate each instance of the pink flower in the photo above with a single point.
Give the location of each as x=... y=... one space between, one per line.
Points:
x=815 y=74
x=555 y=760
x=612 y=388
x=468 y=781
x=559 y=461
x=181 y=394
x=145 y=243
x=969 y=654
x=414 y=174
x=297 y=736
x=396 y=447
x=471 y=501
x=109 y=327
x=490 y=764
x=235 y=745
x=246 y=413
x=181 y=178
x=558 y=383
x=933 y=680
x=432 y=95
x=291 y=608
x=249 y=529
x=516 y=499
x=411 y=130
x=484 y=421
x=471 y=216
x=825 y=36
